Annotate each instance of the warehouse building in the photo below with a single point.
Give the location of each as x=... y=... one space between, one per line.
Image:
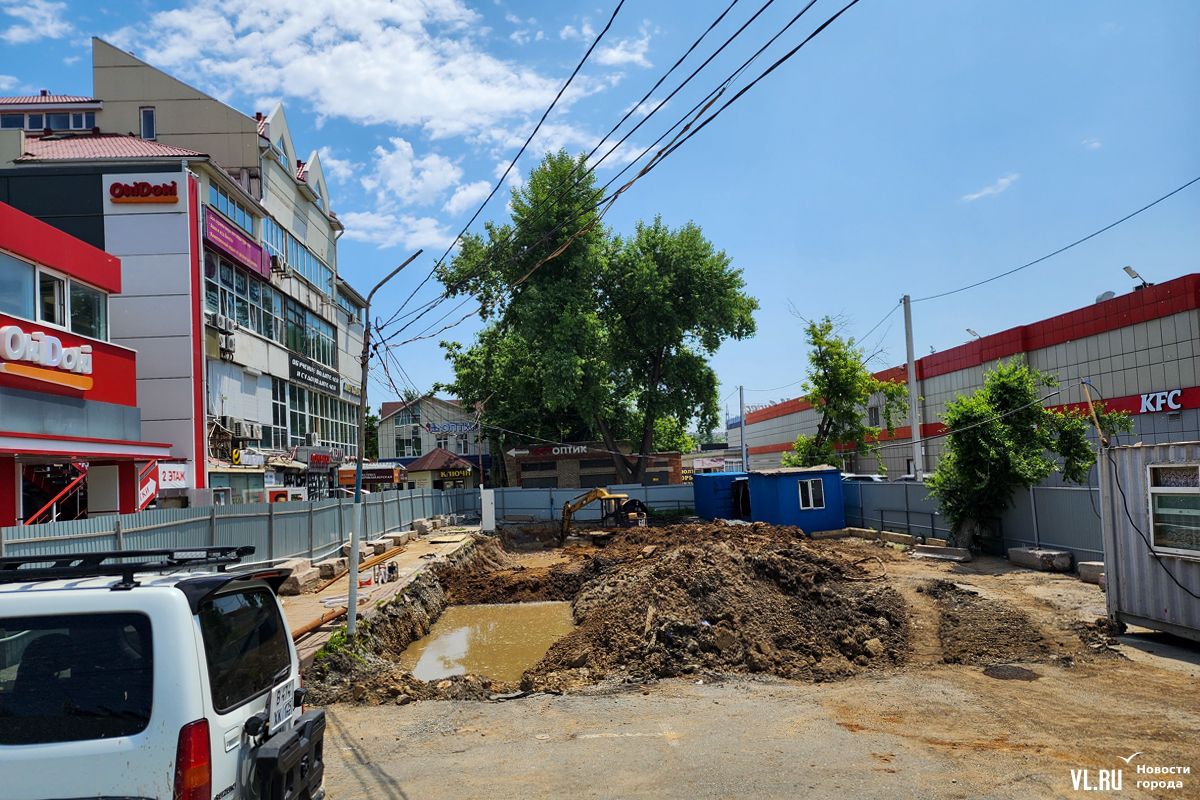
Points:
x=1139 y=351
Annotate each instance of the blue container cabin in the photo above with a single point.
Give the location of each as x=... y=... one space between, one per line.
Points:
x=808 y=497
x=714 y=494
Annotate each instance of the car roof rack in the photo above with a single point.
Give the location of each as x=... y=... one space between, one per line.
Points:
x=123 y=563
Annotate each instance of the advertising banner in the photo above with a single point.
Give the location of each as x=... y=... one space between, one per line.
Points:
x=312 y=375
x=226 y=238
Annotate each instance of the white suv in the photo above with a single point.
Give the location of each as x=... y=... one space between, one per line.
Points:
x=151 y=674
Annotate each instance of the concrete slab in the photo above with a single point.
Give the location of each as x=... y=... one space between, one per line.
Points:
x=897 y=538
x=957 y=554
x=301 y=581
x=936 y=542
x=332 y=566
x=450 y=538
x=1090 y=571
x=378 y=546
x=364 y=552
x=1042 y=560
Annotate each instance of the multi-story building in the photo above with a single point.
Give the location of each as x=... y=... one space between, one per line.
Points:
x=1139 y=352
x=248 y=339
x=411 y=429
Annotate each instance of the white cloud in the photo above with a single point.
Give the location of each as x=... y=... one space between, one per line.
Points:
x=520 y=37
x=513 y=18
x=8 y=82
x=584 y=32
x=43 y=21
x=390 y=230
x=996 y=188
x=1091 y=144
x=383 y=61
x=340 y=169
x=645 y=108
x=466 y=196
x=540 y=35
x=400 y=174
x=626 y=51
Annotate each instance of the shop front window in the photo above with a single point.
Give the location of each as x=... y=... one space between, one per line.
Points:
x=52 y=300
x=16 y=287
x=89 y=311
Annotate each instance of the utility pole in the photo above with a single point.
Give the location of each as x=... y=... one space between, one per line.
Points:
x=742 y=428
x=913 y=419
x=360 y=517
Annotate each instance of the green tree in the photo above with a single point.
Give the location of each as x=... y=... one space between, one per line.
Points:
x=591 y=335
x=671 y=437
x=372 y=451
x=840 y=385
x=1002 y=437
x=668 y=299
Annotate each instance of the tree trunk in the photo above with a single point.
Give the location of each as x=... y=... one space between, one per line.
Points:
x=622 y=464
x=643 y=461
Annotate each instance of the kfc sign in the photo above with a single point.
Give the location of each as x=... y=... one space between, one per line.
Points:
x=1161 y=401
x=143 y=192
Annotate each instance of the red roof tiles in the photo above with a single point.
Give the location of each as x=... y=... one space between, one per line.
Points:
x=45 y=99
x=439 y=458
x=102 y=145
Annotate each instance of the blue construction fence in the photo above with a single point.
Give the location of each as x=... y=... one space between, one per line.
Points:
x=279 y=531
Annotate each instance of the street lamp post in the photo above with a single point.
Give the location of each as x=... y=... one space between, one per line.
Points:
x=360 y=518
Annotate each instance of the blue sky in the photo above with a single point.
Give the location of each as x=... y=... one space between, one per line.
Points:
x=910 y=148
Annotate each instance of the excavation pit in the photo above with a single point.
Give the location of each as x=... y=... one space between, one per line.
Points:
x=496 y=641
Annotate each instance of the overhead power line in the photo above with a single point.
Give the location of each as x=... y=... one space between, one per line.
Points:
x=1059 y=250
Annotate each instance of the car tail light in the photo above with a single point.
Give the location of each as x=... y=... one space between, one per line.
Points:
x=193 y=763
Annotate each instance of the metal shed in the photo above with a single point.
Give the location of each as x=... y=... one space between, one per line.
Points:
x=714 y=494
x=1150 y=497
x=808 y=497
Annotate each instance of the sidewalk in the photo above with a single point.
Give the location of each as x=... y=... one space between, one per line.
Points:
x=304 y=608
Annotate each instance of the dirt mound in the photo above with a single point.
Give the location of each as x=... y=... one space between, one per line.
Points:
x=978 y=631
x=372 y=680
x=783 y=609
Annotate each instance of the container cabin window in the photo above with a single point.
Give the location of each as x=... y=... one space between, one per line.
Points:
x=16 y=287
x=812 y=494
x=1175 y=509
x=149 y=129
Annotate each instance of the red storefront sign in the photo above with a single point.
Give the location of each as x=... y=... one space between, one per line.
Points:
x=51 y=361
x=237 y=246
x=143 y=192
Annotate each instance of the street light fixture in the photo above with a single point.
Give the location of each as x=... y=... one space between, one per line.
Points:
x=1131 y=272
x=360 y=516
x=973 y=333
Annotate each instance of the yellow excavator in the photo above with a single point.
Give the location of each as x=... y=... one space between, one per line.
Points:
x=618 y=511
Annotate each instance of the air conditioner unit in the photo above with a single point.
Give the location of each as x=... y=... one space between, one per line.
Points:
x=256 y=431
x=222 y=322
x=281 y=266
x=312 y=439
x=227 y=423
x=240 y=429
x=210 y=318
x=230 y=343
x=230 y=325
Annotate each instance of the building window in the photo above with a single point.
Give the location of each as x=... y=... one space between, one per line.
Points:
x=35 y=123
x=1175 y=509
x=58 y=122
x=812 y=494
x=9 y=121
x=52 y=300
x=443 y=441
x=89 y=311
x=275 y=435
x=224 y=202
x=873 y=416
x=408 y=442
x=16 y=287
x=149 y=130
x=298 y=414
x=539 y=466
x=295 y=254
x=241 y=295
x=83 y=121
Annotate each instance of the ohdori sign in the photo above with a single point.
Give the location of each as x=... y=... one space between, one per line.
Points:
x=143 y=192
x=65 y=366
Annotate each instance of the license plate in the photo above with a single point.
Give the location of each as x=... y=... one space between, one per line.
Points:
x=280 y=705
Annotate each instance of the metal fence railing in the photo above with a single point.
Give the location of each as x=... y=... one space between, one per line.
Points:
x=278 y=531
x=546 y=504
x=1059 y=517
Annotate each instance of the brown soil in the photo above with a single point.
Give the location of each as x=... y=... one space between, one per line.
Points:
x=978 y=631
x=786 y=610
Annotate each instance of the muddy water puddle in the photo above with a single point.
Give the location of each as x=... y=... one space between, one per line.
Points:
x=497 y=641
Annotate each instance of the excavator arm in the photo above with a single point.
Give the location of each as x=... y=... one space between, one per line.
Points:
x=572 y=506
